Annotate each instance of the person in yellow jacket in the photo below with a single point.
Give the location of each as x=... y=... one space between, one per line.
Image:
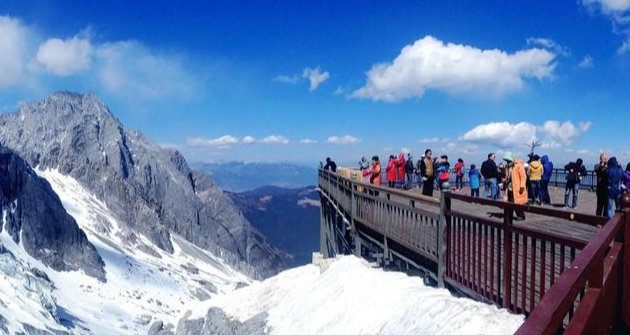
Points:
x=536 y=171
x=516 y=179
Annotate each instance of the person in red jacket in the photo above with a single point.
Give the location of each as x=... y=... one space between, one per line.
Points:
x=391 y=171
x=375 y=171
x=400 y=169
x=459 y=175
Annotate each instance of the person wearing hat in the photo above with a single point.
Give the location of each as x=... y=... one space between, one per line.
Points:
x=516 y=179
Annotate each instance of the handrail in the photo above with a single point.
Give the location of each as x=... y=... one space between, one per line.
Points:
x=592 y=284
x=557 y=213
x=587 y=267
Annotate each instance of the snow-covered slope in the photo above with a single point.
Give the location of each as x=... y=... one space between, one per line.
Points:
x=352 y=298
x=143 y=282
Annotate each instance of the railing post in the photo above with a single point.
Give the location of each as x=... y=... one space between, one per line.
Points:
x=507 y=256
x=442 y=253
x=625 y=279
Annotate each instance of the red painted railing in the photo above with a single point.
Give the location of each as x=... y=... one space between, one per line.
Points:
x=561 y=283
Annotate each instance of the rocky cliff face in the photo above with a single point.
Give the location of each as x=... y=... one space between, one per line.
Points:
x=33 y=215
x=152 y=190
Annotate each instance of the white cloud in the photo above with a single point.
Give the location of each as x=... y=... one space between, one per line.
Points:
x=13 y=51
x=339 y=90
x=287 y=79
x=565 y=132
x=65 y=57
x=502 y=134
x=275 y=139
x=347 y=139
x=248 y=140
x=433 y=140
x=315 y=77
x=307 y=141
x=586 y=62
x=618 y=11
x=221 y=142
x=131 y=69
x=625 y=46
x=609 y=6
x=432 y=64
x=550 y=44
x=506 y=135
x=583 y=152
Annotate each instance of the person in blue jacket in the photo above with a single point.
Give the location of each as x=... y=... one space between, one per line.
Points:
x=474 y=176
x=615 y=173
x=546 y=177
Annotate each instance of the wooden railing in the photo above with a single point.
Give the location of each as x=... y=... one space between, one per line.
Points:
x=403 y=221
x=559 y=282
x=502 y=263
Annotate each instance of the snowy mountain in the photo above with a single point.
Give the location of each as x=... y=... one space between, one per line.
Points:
x=150 y=190
x=140 y=285
x=346 y=296
x=289 y=218
x=246 y=176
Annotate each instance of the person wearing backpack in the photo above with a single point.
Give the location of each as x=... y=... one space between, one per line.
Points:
x=459 y=175
x=409 y=169
x=615 y=175
x=444 y=172
x=475 y=180
x=575 y=171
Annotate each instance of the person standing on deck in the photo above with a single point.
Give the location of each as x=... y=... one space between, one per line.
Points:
x=516 y=182
x=575 y=171
x=409 y=169
x=375 y=172
x=444 y=173
x=330 y=165
x=400 y=170
x=475 y=178
x=427 y=173
x=500 y=180
x=601 y=171
x=536 y=170
x=391 y=171
x=459 y=175
x=546 y=177
x=489 y=172
x=615 y=175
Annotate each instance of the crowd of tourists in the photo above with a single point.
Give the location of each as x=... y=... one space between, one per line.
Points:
x=512 y=179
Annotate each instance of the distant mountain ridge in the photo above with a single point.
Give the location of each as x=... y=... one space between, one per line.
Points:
x=247 y=176
x=152 y=190
x=289 y=218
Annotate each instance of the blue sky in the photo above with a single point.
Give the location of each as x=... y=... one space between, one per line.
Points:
x=298 y=81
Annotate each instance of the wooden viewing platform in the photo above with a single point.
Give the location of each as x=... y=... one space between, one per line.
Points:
x=566 y=271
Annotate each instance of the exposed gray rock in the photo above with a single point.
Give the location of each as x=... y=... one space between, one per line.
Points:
x=3 y=325
x=30 y=330
x=158 y=328
x=151 y=189
x=33 y=215
x=216 y=322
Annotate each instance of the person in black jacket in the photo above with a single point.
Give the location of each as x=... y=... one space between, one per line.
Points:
x=489 y=172
x=575 y=171
x=601 y=171
x=330 y=165
x=427 y=173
